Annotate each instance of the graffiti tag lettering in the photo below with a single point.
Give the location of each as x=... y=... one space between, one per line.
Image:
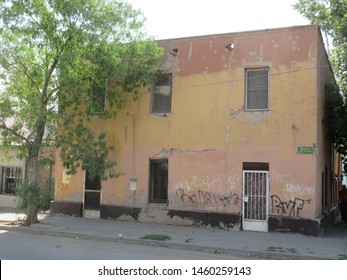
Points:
x=207 y=199
x=291 y=208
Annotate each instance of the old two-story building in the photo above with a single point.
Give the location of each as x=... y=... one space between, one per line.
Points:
x=231 y=135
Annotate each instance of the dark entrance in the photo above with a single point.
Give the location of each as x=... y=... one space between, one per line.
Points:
x=92 y=192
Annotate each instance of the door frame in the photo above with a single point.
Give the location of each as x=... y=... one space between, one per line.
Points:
x=90 y=213
x=252 y=224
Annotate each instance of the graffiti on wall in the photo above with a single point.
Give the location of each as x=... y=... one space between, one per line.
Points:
x=208 y=190
x=204 y=182
x=199 y=183
x=297 y=191
x=234 y=181
x=289 y=208
x=291 y=185
x=206 y=199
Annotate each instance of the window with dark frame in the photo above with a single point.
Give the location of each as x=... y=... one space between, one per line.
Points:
x=161 y=94
x=11 y=177
x=257 y=89
x=158 y=181
x=97 y=97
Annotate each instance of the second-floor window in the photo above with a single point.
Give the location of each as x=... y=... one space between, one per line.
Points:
x=97 y=97
x=257 y=89
x=161 y=94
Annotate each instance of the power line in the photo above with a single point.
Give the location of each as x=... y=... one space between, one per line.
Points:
x=243 y=79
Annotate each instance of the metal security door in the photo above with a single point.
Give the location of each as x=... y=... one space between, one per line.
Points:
x=254 y=200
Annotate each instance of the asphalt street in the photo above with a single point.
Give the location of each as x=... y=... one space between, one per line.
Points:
x=31 y=246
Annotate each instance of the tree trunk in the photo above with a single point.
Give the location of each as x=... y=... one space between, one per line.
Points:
x=32 y=180
x=32 y=210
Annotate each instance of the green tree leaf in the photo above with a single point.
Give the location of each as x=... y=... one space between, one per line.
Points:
x=53 y=55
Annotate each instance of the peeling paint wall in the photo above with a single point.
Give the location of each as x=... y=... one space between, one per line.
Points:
x=209 y=135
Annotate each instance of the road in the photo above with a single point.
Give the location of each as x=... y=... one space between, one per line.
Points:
x=28 y=246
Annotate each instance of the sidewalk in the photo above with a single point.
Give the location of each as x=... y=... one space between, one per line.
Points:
x=250 y=245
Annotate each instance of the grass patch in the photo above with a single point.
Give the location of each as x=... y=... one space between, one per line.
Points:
x=157 y=237
x=275 y=249
x=292 y=250
x=282 y=250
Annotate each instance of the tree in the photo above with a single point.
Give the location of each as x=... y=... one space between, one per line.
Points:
x=73 y=53
x=331 y=16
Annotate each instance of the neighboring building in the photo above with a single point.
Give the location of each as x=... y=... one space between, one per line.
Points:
x=231 y=136
x=11 y=173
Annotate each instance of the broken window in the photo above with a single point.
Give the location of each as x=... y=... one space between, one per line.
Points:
x=158 y=184
x=257 y=89
x=97 y=97
x=161 y=94
x=11 y=177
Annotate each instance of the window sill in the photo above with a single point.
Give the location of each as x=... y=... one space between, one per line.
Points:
x=257 y=110
x=158 y=204
x=160 y=115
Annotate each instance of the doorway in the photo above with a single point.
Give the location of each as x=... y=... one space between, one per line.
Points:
x=92 y=196
x=255 y=197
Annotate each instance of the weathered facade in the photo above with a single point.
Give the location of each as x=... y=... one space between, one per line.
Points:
x=231 y=136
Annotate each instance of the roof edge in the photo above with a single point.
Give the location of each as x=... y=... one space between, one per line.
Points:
x=238 y=33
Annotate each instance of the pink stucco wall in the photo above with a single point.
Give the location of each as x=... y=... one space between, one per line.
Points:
x=209 y=135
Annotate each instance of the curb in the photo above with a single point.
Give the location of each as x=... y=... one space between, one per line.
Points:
x=209 y=249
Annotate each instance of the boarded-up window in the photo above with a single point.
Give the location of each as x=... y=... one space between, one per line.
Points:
x=257 y=89
x=158 y=184
x=161 y=94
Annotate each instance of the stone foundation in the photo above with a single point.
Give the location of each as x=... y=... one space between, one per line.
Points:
x=311 y=227
x=160 y=214
x=66 y=208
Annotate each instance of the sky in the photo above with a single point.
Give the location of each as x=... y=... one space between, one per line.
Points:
x=184 y=18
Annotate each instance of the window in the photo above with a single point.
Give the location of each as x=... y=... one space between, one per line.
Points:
x=158 y=182
x=11 y=177
x=97 y=97
x=257 y=89
x=161 y=94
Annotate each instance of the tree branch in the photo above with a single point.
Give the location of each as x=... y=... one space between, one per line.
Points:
x=45 y=95
x=25 y=72
x=15 y=133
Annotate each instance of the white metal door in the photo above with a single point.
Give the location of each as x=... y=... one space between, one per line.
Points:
x=254 y=200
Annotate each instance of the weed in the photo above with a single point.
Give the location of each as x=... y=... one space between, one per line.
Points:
x=158 y=237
